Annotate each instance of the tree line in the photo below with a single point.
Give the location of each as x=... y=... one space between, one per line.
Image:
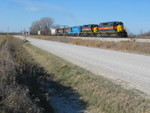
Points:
x=43 y=26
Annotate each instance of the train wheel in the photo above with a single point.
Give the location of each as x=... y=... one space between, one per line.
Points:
x=119 y=35
x=125 y=34
x=99 y=35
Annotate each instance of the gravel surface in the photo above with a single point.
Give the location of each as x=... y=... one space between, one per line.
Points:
x=128 y=70
x=112 y=39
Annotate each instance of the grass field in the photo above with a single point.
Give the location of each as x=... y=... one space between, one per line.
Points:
x=99 y=94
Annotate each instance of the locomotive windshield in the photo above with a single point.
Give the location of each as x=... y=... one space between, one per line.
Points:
x=108 y=24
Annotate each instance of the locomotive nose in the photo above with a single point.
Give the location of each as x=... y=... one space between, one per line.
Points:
x=120 y=28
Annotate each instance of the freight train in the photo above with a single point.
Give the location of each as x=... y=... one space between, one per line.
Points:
x=105 y=29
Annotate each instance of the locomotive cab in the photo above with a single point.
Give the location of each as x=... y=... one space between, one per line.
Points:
x=121 y=32
x=119 y=26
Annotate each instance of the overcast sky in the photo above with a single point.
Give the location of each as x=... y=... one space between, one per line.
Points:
x=17 y=15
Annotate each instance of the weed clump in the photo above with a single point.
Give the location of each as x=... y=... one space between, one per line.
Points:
x=21 y=88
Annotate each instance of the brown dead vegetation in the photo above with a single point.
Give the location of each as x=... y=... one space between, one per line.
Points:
x=52 y=38
x=126 y=46
x=144 y=37
x=20 y=80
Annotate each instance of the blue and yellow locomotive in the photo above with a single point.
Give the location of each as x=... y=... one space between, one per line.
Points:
x=106 y=29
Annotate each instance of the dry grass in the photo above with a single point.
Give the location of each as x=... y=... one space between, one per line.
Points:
x=125 y=46
x=20 y=77
x=52 y=38
x=144 y=37
x=101 y=95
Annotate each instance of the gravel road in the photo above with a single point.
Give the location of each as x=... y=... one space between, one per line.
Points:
x=128 y=70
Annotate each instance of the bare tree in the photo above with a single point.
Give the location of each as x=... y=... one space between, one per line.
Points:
x=46 y=24
x=64 y=26
x=56 y=26
x=35 y=27
x=43 y=25
x=146 y=33
x=130 y=34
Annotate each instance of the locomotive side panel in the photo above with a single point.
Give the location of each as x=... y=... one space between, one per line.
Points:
x=75 y=31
